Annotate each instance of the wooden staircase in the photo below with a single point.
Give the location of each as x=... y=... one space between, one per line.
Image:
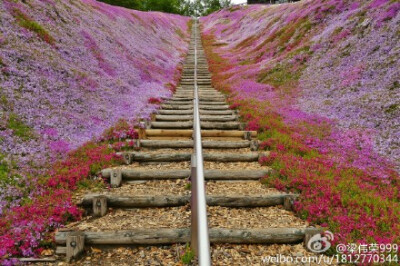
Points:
x=162 y=157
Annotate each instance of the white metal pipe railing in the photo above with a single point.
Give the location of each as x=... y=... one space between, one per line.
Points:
x=200 y=241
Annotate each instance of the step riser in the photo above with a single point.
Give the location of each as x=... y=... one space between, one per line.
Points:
x=174 y=201
x=188 y=125
x=132 y=174
x=190 y=112
x=163 y=236
x=182 y=157
x=190 y=118
x=160 y=144
x=180 y=103
x=185 y=107
x=186 y=100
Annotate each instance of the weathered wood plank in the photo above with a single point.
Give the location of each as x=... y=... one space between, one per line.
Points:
x=61 y=250
x=175 y=112
x=189 y=124
x=37 y=260
x=132 y=237
x=186 y=156
x=173 y=200
x=133 y=174
x=246 y=201
x=75 y=242
x=190 y=106
x=207 y=144
x=257 y=236
x=172 y=125
x=177 y=107
x=220 y=125
x=139 y=201
x=161 y=236
x=174 y=102
x=204 y=133
x=181 y=99
x=203 y=118
x=174 y=117
x=99 y=205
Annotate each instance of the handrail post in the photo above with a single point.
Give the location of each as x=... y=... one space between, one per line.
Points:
x=200 y=241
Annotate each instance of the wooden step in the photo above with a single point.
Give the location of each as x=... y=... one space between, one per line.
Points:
x=133 y=174
x=217 y=112
x=201 y=102
x=204 y=133
x=220 y=97
x=190 y=106
x=163 y=236
x=220 y=125
x=207 y=144
x=190 y=118
x=190 y=112
x=119 y=201
x=189 y=124
x=178 y=99
x=186 y=156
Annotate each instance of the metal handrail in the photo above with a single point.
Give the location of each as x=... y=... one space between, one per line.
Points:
x=200 y=241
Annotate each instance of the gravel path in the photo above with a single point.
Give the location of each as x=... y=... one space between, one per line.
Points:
x=239 y=188
x=125 y=219
x=236 y=218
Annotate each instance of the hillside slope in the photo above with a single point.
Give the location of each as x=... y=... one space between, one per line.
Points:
x=71 y=69
x=339 y=59
x=320 y=81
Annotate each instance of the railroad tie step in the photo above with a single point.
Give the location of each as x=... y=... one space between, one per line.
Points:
x=190 y=112
x=186 y=156
x=190 y=106
x=189 y=124
x=131 y=174
x=164 y=236
x=190 y=103
x=201 y=99
x=120 y=201
x=223 y=118
x=247 y=135
x=207 y=144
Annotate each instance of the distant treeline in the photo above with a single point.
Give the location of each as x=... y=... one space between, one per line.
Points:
x=182 y=7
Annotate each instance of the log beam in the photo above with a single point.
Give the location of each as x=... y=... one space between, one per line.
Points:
x=173 y=200
x=162 y=236
x=207 y=144
x=133 y=174
x=186 y=156
x=204 y=133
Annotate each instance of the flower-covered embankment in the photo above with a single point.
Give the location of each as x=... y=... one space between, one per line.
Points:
x=69 y=71
x=320 y=81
